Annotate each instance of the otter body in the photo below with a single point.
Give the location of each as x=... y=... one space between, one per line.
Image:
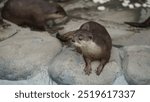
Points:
x=34 y=13
x=94 y=42
x=144 y=24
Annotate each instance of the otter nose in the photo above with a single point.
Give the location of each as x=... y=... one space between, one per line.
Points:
x=73 y=40
x=80 y=38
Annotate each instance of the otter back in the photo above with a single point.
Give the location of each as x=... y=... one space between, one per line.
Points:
x=31 y=12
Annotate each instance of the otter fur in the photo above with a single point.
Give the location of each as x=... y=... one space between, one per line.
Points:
x=93 y=41
x=39 y=14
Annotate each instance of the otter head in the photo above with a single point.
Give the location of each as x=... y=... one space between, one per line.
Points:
x=82 y=38
x=56 y=15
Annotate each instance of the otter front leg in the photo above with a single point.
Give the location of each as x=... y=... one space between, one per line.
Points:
x=101 y=66
x=87 y=68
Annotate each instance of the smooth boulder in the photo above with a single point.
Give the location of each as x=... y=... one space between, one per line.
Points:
x=26 y=53
x=67 y=68
x=136 y=65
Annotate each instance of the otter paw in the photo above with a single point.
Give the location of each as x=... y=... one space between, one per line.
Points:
x=98 y=72
x=87 y=71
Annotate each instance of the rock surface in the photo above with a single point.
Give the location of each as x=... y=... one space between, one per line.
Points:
x=24 y=54
x=8 y=31
x=136 y=64
x=67 y=68
x=41 y=78
x=120 y=80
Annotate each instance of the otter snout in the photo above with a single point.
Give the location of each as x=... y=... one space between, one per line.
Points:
x=61 y=20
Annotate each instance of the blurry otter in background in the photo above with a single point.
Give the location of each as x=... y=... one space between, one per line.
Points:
x=39 y=14
x=144 y=24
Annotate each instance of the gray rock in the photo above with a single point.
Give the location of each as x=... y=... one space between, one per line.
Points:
x=136 y=64
x=67 y=68
x=120 y=80
x=141 y=37
x=41 y=78
x=75 y=4
x=26 y=53
x=9 y=31
x=110 y=15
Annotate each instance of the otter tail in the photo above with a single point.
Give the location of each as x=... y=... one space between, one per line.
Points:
x=134 y=24
x=144 y=24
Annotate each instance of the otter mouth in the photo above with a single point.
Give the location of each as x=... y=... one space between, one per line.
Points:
x=77 y=44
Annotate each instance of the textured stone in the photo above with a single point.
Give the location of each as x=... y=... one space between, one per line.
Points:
x=25 y=54
x=41 y=78
x=9 y=31
x=67 y=68
x=136 y=64
x=139 y=37
x=120 y=80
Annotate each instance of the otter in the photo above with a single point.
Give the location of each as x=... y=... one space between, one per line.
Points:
x=93 y=41
x=144 y=24
x=39 y=14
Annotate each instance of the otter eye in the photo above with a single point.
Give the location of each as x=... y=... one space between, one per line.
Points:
x=80 y=38
x=72 y=40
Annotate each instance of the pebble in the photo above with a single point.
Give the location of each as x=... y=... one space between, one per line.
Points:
x=101 y=1
x=137 y=5
x=144 y=5
x=124 y=4
x=131 y=6
x=95 y=1
x=126 y=1
x=101 y=8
